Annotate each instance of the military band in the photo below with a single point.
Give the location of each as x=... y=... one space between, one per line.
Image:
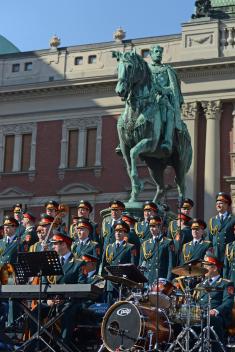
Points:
x=88 y=250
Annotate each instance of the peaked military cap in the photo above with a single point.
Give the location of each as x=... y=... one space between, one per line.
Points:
x=89 y=258
x=45 y=219
x=51 y=204
x=83 y=222
x=127 y=217
x=117 y=204
x=17 y=208
x=211 y=259
x=121 y=225
x=155 y=220
x=85 y=204
x=187 y=203
x=224 y=197
x=198 y=223
x=29 y=216
x=10 y=221
x=61 y=237
x=150 y=205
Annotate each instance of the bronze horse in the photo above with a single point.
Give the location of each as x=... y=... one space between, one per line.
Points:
x=140 y=128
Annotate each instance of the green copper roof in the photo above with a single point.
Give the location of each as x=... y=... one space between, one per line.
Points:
x=219 y=3
x=6 y=47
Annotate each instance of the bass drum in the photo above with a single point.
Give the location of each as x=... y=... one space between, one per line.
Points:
x=128 y=327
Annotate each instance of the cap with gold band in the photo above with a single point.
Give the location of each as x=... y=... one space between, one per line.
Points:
x=121 y=225
x=117 y=205
x=198 y=223
x=84 y=223
x=224 y=197
x=10 y=221
x=150 y=206
x=85 y=204
x=61 y=237
x=155 y=220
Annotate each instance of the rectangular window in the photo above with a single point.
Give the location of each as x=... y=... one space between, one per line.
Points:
x=9 y=153
x=92 y=59
x=73 y=148
x=91 y=147
x=78 y=60
x=26 y=151
x=145 y=53
x=15 y=68
x=28 y=66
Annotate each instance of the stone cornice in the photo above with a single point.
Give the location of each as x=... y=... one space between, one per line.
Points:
x=42 y=90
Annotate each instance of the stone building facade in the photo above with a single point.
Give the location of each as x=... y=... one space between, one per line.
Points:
x=58 y=114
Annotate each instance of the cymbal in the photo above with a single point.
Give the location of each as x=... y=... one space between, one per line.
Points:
x=209 y=289
x=123 y=281
x=189 y=270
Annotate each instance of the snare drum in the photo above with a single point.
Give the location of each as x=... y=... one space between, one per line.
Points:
x=133 y=327
x=160 y=293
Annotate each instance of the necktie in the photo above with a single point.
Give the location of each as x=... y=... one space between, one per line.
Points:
x=118 y=245
x=195 y=243
x=81 y=244
x=221 y=218
x=62 y=261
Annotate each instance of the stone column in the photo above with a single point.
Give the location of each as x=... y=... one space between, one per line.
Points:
x=81 y=162
x=231 y=179
x=17 y=153
x=212 y=111
x=190 y=116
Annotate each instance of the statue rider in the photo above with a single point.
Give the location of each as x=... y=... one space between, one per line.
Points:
x=169 y=97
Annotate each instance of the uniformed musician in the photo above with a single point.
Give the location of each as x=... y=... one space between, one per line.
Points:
x=157 y=253
x=142 y=227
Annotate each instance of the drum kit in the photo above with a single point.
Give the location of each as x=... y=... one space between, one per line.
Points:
x=162 y=317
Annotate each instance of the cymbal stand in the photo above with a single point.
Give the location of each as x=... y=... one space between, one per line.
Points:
x=205 y=337
x=184 y=337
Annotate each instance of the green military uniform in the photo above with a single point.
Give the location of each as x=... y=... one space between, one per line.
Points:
x=222 y=301
x=192 y=251
x=89 y=247
x=180 y=237
x=107 y=233
x=142 y=231
x=8 y=251
x=229 y=262
x=220 y=234
x=155 y=254
x=123 y=254
x=37 y=247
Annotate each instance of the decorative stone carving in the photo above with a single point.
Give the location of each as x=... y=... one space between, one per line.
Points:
x=77 y=188
x=119 y=35
x=54 y=42
x=190 y=110
x=212 y=109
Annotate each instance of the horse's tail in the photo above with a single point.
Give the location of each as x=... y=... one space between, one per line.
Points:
x=184 y=147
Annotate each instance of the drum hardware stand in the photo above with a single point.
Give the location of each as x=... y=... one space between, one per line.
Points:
x=205 y=336
x=39 y=264
x=184 y=336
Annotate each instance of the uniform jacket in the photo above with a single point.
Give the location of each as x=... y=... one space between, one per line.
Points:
x=142 y=230
x=8 y=252
x=220 y=234
x=190 y=251
x=220 y=300
x=229 y=262
x=153 y=253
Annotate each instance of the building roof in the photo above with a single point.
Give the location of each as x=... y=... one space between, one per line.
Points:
x=220 y=3
x=6 y=47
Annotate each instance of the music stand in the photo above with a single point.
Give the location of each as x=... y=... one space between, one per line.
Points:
x=129 y=271
x=38 y=264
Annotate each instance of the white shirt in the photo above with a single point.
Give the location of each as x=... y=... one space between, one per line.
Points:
x=66 y=257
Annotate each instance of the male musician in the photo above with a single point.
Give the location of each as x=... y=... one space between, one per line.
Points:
x=29 y=236
x=180 y=230
x=73 y=274
x=42 y=233
x=85 y=245
x=229 y=260
x=157 y=252
x=18 y=215
x=142 y=227
x=197 y=248
x=132 y=236
x=51 y=208
x=222 y=296
x=84 y=210
x=220 y=227
x=119 y=252
x=9 y=244
x=107 y=235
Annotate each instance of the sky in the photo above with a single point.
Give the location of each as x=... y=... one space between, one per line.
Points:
x=29 y=24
